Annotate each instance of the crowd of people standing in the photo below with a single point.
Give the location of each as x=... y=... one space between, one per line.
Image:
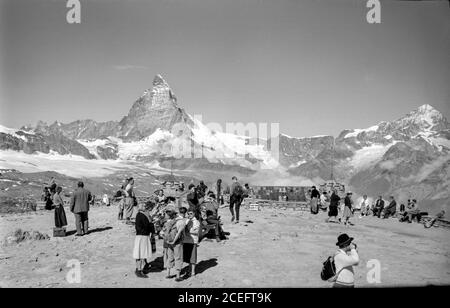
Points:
x=182 y=226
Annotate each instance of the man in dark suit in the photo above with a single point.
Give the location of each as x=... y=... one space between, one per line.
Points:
x=379 y=206
x=79 y=206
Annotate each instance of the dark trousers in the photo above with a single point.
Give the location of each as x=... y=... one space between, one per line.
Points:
x=81 y=222
x=235 y=204
x=377 y=211
x=215 y=222
x=389 y=212
x=338 y=285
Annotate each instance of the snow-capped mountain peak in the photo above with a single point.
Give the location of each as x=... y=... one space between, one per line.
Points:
x=427 y=117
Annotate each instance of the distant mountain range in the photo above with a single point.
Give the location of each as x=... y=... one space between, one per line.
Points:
x=410 y=156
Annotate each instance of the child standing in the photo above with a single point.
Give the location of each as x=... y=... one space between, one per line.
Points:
x=142 y=251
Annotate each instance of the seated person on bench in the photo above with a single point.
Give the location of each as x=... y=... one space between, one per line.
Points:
x=213 y=222
x=379 y=207
x=413 y=211
x=390 y=209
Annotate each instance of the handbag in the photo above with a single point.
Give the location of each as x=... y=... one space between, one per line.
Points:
x=153 y=242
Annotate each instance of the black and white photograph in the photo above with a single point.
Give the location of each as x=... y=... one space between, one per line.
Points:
x=211 y=144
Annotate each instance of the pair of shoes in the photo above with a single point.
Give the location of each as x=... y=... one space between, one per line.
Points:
x=232 y=218
x=236 y=222
x=178 y=279
x=226 y=233
x=187 y=275
x=170 y=277
x=146 y=269
x=140 y=274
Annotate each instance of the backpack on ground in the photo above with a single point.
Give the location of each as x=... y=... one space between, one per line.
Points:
x=329 y=270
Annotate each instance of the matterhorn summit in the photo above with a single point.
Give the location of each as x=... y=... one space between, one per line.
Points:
x=155 y=108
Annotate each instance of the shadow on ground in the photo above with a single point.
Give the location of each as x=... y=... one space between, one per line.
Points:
x=72 y=232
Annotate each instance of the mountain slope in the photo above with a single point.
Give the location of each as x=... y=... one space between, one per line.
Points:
x=407 y=156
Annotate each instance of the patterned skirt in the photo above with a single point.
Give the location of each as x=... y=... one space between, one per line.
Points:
x=347 y=212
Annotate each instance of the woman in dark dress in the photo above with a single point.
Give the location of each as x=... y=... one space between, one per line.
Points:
x=333 y=207
x=60 y=214
x=48 y=199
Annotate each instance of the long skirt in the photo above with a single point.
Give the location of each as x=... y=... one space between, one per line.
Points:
x=190 y=253
x=313 y=204
x=347 y=212
x=129 y=207
x=142 y=247
x=332 y=211
x=60 y=217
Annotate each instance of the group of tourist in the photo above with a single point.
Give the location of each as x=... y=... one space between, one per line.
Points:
x=180 y=240
x=79 y=206
x=52 y=196
x=349 y=208
x=182 y=228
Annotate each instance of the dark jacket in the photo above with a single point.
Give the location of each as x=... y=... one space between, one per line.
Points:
x=379 y=203
x=236 y=189
x=334 y=200
x=192 y=199
x=201 y=190
x=315 y=194
x=348 y=202
x=143 y=225
x=80 y=200
x=391 y=207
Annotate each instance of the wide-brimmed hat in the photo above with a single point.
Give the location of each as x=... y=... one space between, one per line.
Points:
x=344 y=240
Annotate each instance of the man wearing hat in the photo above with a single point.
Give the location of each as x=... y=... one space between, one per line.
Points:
x=175 y=246
x=344 y=260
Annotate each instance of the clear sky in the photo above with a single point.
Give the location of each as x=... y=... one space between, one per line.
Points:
x=316 y=67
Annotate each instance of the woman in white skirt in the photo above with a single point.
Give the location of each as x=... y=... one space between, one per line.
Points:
x=142 y=251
